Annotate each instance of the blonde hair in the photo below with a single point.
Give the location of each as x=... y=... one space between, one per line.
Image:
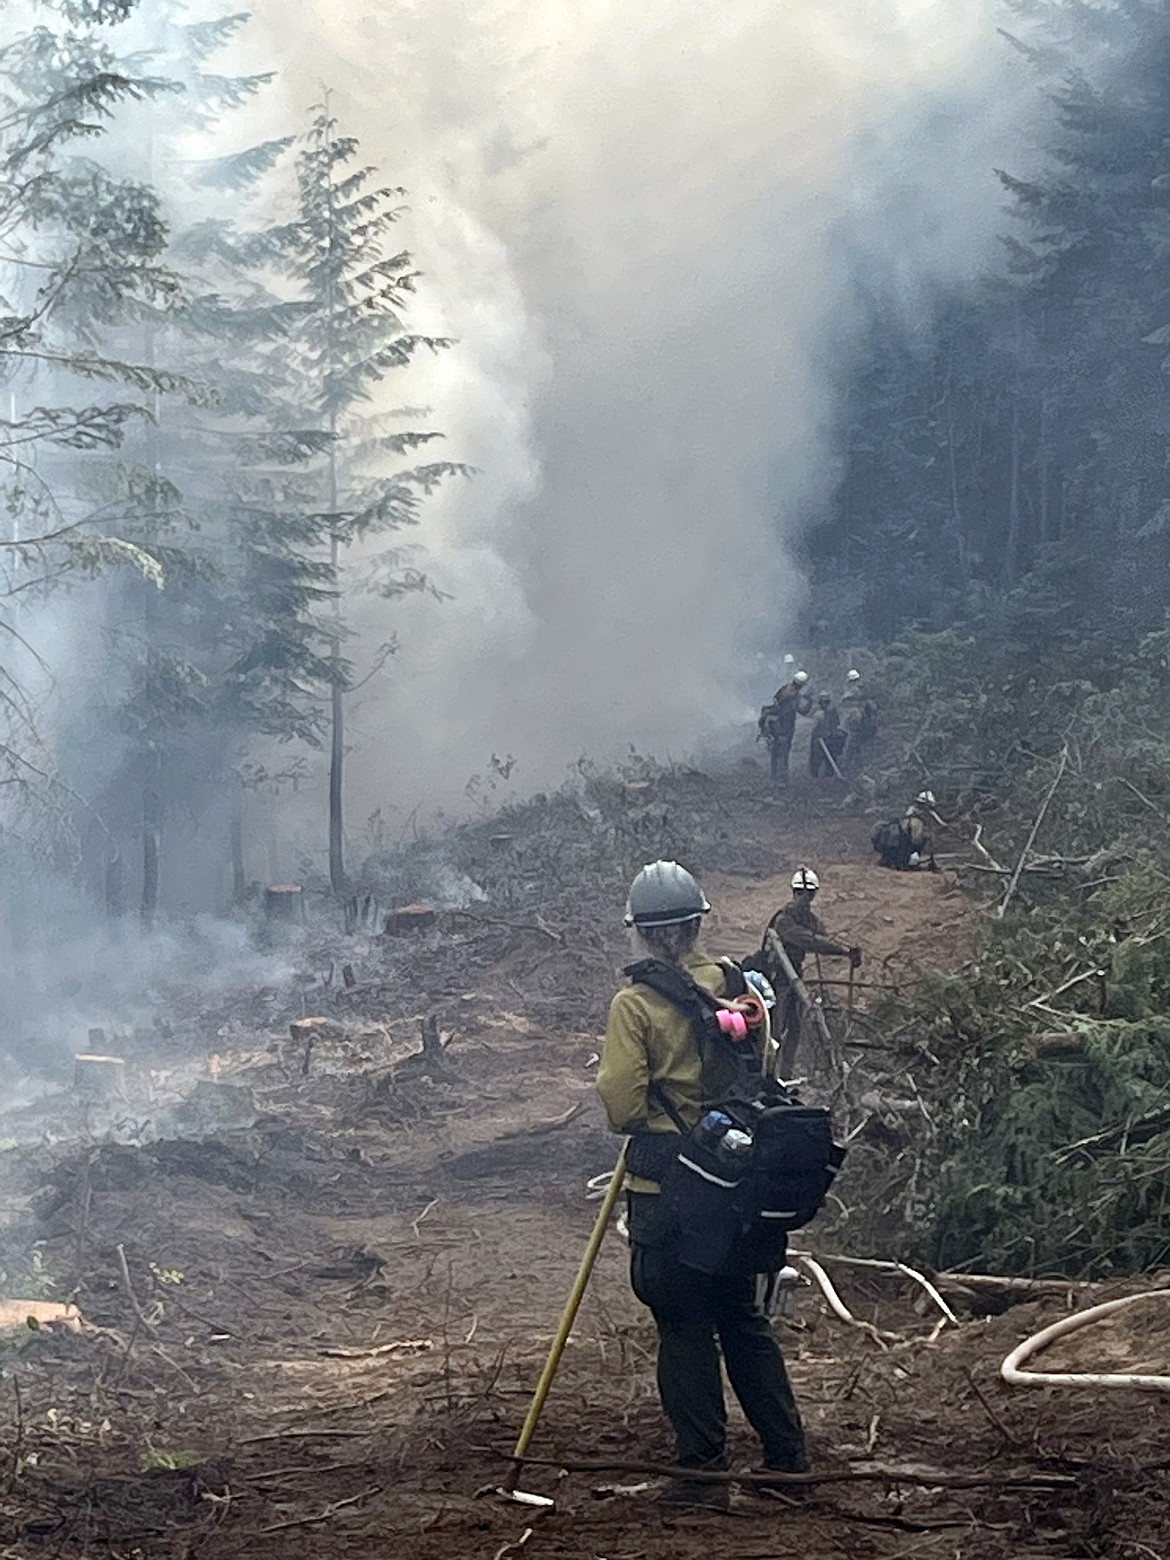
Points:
x=668 y=943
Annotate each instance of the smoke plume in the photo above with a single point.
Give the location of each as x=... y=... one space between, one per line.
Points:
x=648 y=226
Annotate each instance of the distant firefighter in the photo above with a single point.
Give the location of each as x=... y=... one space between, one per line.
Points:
x=800 y=932
x=861 y=729
x=827 y=742
x=906 y=844
x=777 y=725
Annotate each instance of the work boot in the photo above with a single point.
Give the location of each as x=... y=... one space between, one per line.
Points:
x=695 y=1495
x=796 y=1462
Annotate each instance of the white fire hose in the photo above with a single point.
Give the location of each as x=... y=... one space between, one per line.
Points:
x=1015 y=1377
x=1010 y=1370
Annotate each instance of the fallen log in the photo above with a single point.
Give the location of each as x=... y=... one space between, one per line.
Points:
x=409 y=919
x=1055 y=1043
x=932 y=1478
x=540 y=1128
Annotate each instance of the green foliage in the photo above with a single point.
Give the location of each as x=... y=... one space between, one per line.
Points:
x=1045 y=1062
x=150 y=1460
x=29 y=1277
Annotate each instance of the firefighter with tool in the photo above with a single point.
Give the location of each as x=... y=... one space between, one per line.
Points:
x=686 y=1068
x=800 y=932
x=777 y=725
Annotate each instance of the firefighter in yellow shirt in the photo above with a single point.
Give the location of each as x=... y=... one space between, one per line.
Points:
x=651 y=1049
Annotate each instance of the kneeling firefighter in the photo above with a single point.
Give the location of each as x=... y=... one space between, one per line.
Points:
x=723 y=1162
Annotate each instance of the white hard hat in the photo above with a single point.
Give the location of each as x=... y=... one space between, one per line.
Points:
x=852 y=675
x=806 y=879
x=800 y=678
x=926 y=798
x=789 y=660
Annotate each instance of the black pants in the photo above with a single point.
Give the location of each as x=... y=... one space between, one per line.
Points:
x=692 y=1311
x=779 y=745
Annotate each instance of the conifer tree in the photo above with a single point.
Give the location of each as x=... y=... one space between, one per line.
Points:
x=82 y=250
x=353 y=336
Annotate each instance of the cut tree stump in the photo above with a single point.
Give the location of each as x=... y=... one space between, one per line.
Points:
x=99 y=1077
x=307 y=1031
x=283 y=902
x=408 y=919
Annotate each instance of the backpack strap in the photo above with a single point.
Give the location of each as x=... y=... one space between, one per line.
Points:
x=663 y=1100
x=726 y=1068
x=678 y=989
x=734 y=983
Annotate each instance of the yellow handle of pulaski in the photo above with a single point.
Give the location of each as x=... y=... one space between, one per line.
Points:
x=568 y=1317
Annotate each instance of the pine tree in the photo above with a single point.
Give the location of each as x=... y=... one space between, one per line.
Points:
x=231 y=655
x=82 y=250
x=246 y=622
x=352 y=337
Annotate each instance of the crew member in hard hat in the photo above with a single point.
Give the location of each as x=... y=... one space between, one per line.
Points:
x=861 y=729
x=651 y=1045
x=906 y=844
x=777 y=724
x=800 y=932
x=827 y=739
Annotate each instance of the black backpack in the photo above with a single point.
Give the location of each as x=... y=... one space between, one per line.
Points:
x=733 y=1219
x=892 y=843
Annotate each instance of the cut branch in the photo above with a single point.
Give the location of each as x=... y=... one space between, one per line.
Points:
x=1032 y=833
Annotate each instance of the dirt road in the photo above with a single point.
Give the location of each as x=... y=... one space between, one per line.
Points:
x=327 y=1323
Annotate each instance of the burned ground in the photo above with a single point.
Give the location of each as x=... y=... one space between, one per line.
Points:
x=312 y=1325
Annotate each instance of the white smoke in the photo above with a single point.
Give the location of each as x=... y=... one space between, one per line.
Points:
x=648 y=227
x=646 y=224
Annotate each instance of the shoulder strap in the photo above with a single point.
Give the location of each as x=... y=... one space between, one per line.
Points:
x=664 y=1101
x=672 y=984
x=734 y=983
x=726 y=1068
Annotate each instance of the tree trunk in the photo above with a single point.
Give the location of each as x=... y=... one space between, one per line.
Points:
x=1042 y=457
x=956 y=516
x=336 y=699
x=336 y=758
x=1011 y=565
x=239 y=877
x=115 y=886
x=1012 y=553
x=151 y=841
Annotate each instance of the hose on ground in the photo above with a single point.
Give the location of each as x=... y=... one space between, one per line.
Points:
x=893 y=1267
x=1012 y=1373
x=840 y=1309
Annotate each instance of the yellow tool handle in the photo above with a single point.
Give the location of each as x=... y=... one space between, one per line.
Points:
x=568 y=1316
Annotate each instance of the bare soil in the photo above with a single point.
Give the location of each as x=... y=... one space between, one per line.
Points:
x=329 y=1321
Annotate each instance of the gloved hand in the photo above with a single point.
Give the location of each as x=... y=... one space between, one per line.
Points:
x=762 y=986
x=855 y=958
